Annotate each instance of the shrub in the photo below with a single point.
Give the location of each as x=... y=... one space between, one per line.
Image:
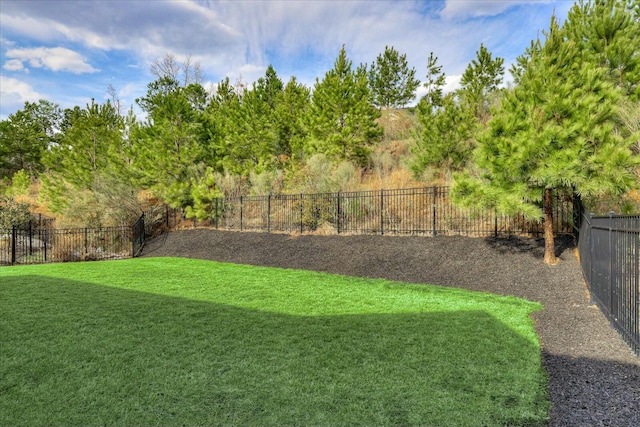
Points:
x=19 y=183
x=13 y=213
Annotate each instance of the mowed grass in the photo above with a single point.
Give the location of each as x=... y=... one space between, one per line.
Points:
x=169 y=341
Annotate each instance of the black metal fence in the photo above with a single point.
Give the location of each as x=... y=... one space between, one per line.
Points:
x=138 y=235
x=30 y=245
x=421 y=211
x=38 y=221
x=610 y=254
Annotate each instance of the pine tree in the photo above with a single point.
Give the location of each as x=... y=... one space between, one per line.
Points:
x=170 y=146
x=434 y=83
x=552 y=132
x=85 y=148
x=443 y=139
x=291 y=109
x=221 y=127
x=255 y=142
x=480 y=81
x=341 y=118
x=608 y=31
x=85 y=181
x=391 y=81
x=26 y=135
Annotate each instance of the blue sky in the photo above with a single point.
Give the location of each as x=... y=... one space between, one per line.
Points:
x=70 y=51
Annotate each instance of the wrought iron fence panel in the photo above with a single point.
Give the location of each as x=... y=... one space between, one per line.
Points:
x=286 y=213
x=359 y=212
x=423 y=211
x=35 y=246
x=138 y=235
x=609 y=250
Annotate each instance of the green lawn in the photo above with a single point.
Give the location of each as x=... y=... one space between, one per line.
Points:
x=169 y=341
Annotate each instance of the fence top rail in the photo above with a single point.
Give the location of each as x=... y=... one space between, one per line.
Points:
x=611 y=215
x=71 y=230
x=618 y=230
x=341 y=193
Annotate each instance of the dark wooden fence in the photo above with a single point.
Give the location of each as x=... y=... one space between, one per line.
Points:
x=610 y=254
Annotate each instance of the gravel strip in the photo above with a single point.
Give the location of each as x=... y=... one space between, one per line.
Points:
x=594 y=377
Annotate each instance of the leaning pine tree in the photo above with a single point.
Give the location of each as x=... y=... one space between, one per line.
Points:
x=553 y=132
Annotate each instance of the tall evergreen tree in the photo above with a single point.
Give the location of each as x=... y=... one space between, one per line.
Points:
x=221 y=117
x=291 y=110
x=444 y=137
x=171 y=144
x=255 y=140
x=480 y=82
x=434 y=83
x=87 y=144
x=392 y=82
x=85 y=181
x=26 y=135
x=342 y=117
x=608 y=31
x=552 y=132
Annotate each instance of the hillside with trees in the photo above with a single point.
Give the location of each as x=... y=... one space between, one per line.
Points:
x=568 y=120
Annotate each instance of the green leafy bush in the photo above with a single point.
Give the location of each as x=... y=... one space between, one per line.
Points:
x=13 y=213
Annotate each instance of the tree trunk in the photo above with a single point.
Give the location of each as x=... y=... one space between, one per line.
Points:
x=549 y=244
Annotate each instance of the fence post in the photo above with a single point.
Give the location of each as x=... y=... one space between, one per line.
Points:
x=338 y=212
x=495 y=222
x=435 y=203
x=614 y=316
x=301 y=213
x=14 y=235
x=216 y=213
x=240 y=213
x=269 y=213
x=382 y=212
x=591 y=249
x=44 y=237
x=576 y=206
x=30 y=239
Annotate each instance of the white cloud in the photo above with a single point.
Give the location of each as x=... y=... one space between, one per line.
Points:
x=14 y=65
x=55 y=59
x=451 y=84
x=14 y=93
x=5 y=42
x=128 y=89
x=240 y=38
x=462 y=9
x=41 y=29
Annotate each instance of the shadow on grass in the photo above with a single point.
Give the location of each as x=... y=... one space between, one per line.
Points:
x=81 y=354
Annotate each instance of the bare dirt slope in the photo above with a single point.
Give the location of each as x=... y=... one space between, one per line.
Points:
x=594 y=378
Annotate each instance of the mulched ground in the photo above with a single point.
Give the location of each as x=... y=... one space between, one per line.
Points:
x=594 y=378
